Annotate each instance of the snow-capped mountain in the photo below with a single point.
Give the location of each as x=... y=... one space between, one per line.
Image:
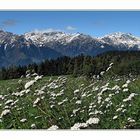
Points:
x=38 y=46
x=122 y=40
x=16 y=50
x=70 y=44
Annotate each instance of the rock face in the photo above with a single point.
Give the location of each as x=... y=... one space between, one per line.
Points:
x=37 y=46
x=16 y=50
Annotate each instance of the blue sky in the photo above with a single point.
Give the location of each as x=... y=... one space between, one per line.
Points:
x=95 y=23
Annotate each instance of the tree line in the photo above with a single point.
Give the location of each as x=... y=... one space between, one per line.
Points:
x=124 y=63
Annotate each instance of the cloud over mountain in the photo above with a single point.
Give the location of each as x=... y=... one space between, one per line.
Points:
x=71 y=28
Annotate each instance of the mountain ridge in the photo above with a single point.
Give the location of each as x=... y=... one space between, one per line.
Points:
x=34 y=47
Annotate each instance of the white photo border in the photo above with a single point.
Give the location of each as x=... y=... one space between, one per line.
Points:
x=69 y=5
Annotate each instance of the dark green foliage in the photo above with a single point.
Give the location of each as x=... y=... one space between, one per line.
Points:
x=124 y=63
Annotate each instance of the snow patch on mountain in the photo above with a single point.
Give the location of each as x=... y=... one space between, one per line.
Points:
x=60 y=37
x=40 y=45
x=120 y=38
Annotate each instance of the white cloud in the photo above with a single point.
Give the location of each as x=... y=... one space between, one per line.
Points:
x=9 y=22
x=53 y=30
x=46 y=30
x=70 y=28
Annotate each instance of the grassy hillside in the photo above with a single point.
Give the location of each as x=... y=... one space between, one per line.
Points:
x=65 y=102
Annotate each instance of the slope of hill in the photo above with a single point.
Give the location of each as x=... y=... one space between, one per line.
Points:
x=72 y=103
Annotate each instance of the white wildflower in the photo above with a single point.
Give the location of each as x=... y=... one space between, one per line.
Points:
x=98 y=112
x=78 y=102
x=60 y=93
x=38 y=78
x=14 y=102
x=89 y=95
x=116 y=87
x=125 y=100
x=27 y=91
x=77 y=126
x=76 y=91
x=36 y=101
x=43 y=97
x=103 y=90
x=108 y=68
x=106 y=85
x=125 y=90
x=53 y=127
x=115 y=117
x=76 y=110
x=119 y=109
x=107 y=99
x=38 y=117
x=33 y=126
x=110 y=95
x=18 y=94
x=40 y=92
x=124 y=110
x=91 y=113
x=22 y=91
x=130 y=97
x=7 y=107
x=1 y=96
x=27 y=75
x=8 y=102
x=43 y=88
x=23 y=120
x=95 y=88
x=130 y=120
x=51 y=106
x=125 y=85
x=82 y=111
x=111 y=64
x=5 y=112
x=116 y=92
x=90 y=106
x=60 y=103
x=97 y=76
x=128 y=81
x=65 y=100
x=82 y=85
x=52 y=94
x=34 y=74
x=84 y=95
x=117 y=79
x=99 y=99
x=19 y=81
x=102 y=72
x=92 y=121
x=52 y=85
x=28 y=84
